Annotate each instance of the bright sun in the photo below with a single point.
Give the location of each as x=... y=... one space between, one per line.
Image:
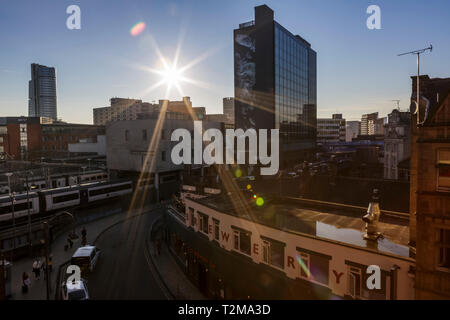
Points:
x=171 y=76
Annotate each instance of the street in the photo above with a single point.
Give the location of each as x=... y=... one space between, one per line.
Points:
x=123 y=271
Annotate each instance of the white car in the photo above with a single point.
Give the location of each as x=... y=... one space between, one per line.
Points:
x=86 y=258
x=76 y=290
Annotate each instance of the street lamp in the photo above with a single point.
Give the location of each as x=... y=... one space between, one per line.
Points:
x=11 y=195
x=28 y=210
x=45 y=226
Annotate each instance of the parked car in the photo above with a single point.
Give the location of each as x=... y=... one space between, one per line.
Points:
x=76 y=290
x=86 y=258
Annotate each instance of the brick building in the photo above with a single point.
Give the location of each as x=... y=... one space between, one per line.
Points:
x=57 y=136
x=19 y=136
x=430 y=188
x=28 y=138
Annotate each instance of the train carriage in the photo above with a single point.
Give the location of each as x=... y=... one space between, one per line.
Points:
x=55 y=199
x=20 y=206
x=101 y=191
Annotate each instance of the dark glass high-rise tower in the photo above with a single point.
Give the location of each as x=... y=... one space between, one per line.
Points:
x=276 y=84
x=42 y=92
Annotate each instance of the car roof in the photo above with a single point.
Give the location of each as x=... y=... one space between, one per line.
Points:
x=75 y=286
x=83 y=251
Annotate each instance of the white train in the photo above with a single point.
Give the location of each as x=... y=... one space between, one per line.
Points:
x=62 y=180
x=61 y=198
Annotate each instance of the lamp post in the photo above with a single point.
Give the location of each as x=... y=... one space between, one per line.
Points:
x=45 y=226
x=28 y=211
x=11 y=195
x=2 y=278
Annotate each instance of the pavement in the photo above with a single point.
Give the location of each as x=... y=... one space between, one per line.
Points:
x=171 y=273
x=37 y=289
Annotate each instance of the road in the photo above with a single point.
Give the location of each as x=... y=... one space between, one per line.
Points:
x=123 y=271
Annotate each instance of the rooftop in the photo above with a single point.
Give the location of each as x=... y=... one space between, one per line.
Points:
x=329 y=221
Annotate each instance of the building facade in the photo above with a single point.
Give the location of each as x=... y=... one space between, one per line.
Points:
x=19 y=137
x=331 y=130
x=122 y=109
x=397 y=143
x=275 y=81
x=57 y=136
x=291 y=254
x=228 y=109
x=352 y=130
x=42 y=92
x=139 y=148
x=430 y=187
x=368 y=123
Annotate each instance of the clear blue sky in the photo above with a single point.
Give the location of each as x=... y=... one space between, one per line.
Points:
x=358 y=70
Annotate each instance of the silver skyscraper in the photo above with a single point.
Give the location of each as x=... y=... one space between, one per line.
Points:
x=42 y=92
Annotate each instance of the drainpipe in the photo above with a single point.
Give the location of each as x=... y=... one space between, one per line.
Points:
x=394 y=282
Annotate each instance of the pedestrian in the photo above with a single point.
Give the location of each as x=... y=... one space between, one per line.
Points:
x=43 y=267
x=70 y=242
x=158 y=246
x=25 y=282
x=37 y=269
x=83 y=237
x=50 y=264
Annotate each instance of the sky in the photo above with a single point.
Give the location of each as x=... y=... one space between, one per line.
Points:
x=358 y=69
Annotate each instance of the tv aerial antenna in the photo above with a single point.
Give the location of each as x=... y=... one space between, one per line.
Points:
x=418 y=53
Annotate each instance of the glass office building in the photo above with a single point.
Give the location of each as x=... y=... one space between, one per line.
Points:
x=276 y=84
x=294 y=89
x=42 y=92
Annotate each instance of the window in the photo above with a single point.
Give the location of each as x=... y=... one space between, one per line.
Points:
x=357 y=282
x=304 y=265
x=444 y=248
x=354 y=282
x=443 y=164
x=67 y=197
x=313 y=266
x=216 y=230
x=162 y=134
x=203 y=218
x=242 y=240
x=163 y=156
x=144 y=135
x=273 y=252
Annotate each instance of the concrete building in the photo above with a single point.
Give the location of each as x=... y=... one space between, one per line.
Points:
x=228 y=109
x=132 y=109
x=121 y=109
x=285 y=250
x=331 y=130
x=368 y=123
x=397 y=142
x=42 y=92
x=430 y=187
x=352 y=130
x=88 y=146
x=136 y=148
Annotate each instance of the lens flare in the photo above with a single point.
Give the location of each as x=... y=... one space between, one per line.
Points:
x=260 y=202
x=238 y=173
x=137 y=29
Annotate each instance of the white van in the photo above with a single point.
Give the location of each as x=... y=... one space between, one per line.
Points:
x=86 y=258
